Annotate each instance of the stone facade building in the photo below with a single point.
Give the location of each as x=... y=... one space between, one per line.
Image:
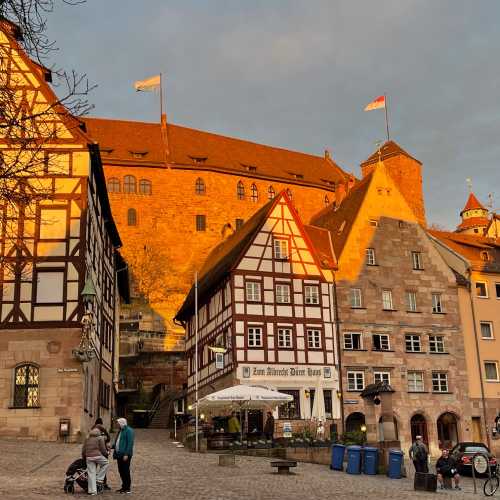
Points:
x=56 y=352
x=265 y=297
x=399 y=317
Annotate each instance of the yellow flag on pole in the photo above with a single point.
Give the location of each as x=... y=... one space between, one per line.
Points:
x=149 y=84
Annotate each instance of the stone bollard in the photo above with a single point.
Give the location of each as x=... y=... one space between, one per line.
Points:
x=227 y=460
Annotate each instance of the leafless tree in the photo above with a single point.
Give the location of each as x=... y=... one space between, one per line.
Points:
x=26 y=131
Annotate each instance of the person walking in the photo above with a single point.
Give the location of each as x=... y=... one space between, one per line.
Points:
x=419 y=454
x=95 y=453
x=446 y=466
x=123 y=451
x=107 y=439
x=269 y=426
x=233 y=426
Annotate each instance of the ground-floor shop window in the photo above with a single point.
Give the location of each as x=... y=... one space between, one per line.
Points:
x=291 y=409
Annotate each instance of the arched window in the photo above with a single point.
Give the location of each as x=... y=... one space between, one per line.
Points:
x=254 y=193
x=199 y=186
x=132 y=217
x=327 y=201
x=240 y=191
x=289 y=193
x=145 y=187
x=114 y=185
x=129 y=184
x=26 y=386
x=271 y=193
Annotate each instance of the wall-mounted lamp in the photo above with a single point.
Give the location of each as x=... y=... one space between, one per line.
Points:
x=88 y=293
x=363 y=428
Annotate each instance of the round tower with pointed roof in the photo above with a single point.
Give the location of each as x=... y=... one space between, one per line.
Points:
x=474 y=217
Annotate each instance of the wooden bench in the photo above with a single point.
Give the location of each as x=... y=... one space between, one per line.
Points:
x=284 y=466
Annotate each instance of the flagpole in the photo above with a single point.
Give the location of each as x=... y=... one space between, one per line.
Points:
x=386 y=116
x=161 y=97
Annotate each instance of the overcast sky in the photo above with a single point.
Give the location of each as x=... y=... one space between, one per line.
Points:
x=297 y=74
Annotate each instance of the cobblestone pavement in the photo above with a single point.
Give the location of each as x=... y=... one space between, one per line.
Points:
x=31 y=470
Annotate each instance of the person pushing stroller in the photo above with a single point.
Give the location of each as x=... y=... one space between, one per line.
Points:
x=95 y=453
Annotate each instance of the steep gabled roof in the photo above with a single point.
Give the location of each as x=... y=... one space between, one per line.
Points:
x=222 y=258
x=339 y=221
x=472 y=203
x=140 y=144
x=472 y=222
x=388 y=150
x=323 y=246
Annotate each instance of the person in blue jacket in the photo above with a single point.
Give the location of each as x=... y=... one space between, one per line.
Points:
x=123 y=451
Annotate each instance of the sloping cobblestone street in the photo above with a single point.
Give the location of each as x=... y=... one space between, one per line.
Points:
x=31 y=470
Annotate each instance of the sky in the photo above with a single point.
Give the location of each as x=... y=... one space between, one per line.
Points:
x=298 y=74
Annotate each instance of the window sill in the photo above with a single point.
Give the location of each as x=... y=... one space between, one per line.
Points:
x=418 y=392
x=492 y=381
x=24 y=407
x=383 y=350
x=372 y=265
x=362 y=308
x=487 y=338
x=444 y=352
x=389 y=310
x=355 y=350
x=283 y=303
x=354 y=390
x=443 y=313
x=414 y=312
x=285 y=348
x=415 y=352
x=418 y=269
x=309 y=305
x=314 y=348
x=442 y=392
x=482 y=297
x=255 y=347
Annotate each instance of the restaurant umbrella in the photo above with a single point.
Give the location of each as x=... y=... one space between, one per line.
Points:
x=318 y=410
x=244 y=397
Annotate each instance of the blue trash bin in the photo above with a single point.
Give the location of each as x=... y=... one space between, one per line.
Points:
x=395 y=463
x=338 y=451
x=353 y=460
x=370 y=463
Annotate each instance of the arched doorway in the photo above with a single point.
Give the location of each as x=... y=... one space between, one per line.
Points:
x=447 y=430
x=418 y=426
x=354 y=422
x=381 y=429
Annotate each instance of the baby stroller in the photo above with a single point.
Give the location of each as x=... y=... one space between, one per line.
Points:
x=76 y=473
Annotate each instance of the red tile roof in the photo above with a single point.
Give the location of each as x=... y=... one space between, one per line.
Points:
x=140 y=144
x=322 y=243
x=339 y=221
x=472 y=247
x=472 y=203
x=473 y=222
x=387 y=150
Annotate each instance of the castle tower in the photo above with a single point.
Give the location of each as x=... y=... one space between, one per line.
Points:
x=404 y=170
x=474 y=217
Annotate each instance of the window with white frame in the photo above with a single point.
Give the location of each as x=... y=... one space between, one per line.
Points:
x=311 y=294
x=313 y=338
x=415 y=381
x=437 y=303
x=436 y=343
x=416 y=259
x=497 y=290
x=283 y=294
x=491 y=371
x=254 y=336
x=370 y=257
x=486 y=329
x=411 y=301
x=280 y=249
x=387 y=300
x=439 y=382
x=253 y=291
x=381 y=342
x=285 y=337
x=355 y=381
x=481 y=289
x=356 y=298
x=353 y=340
x=412 y=343
x=382 y=377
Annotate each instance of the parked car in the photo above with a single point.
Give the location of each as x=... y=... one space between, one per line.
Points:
x=463 y=453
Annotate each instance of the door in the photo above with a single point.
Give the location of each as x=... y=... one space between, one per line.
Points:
x=418 y=426
x=477 y=435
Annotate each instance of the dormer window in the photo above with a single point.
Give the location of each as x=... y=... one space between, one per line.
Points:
x=329 y=183
x=108 y=151
x=373 y=222
x=199 y=159
x=250 y=168
x=327 y=201
x=271 y=193
x=138 y=154
x=485 y=256
x=296 y=176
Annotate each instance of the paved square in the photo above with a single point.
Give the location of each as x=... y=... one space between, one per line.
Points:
x=31 y=470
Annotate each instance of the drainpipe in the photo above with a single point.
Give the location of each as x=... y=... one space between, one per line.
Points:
x=478 y=357
x=339 y=359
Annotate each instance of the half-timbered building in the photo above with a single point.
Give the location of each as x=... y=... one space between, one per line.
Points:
x=264 y=294
x=57 y=249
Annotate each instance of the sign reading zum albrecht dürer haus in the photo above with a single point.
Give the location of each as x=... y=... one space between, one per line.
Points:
x=286 y=372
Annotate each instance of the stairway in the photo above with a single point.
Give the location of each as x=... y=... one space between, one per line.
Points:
x=161 y=418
